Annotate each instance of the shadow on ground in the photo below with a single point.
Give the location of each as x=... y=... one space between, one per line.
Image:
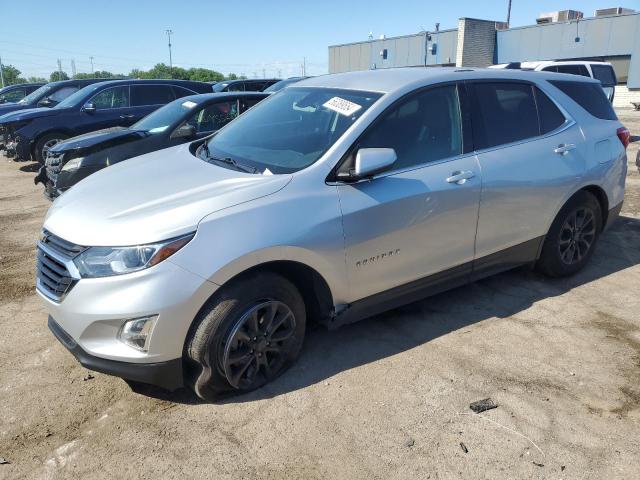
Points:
x=327 y=353
x=30 y=167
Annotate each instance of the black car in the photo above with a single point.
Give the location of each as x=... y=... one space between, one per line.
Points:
x=116 y=103
x=182 y=120
x=15 y=93
x=254 y=85
x=47 y=95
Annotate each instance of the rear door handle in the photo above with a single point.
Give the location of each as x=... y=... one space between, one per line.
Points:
x=126 y=117
x=460 y=177
x=564 y=148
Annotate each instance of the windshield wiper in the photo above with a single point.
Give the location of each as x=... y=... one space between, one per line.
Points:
x=228 y=161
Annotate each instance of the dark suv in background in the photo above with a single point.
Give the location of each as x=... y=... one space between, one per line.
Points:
x=116 y=103
x=255 y=85
x=15 y=93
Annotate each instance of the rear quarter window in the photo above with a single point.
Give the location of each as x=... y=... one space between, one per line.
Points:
x=604 y=73
x=589 y=96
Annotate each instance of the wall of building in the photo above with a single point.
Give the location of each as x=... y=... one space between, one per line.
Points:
x=599 y=37
x=405 y=51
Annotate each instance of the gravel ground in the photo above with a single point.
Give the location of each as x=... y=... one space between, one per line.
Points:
x=385 y=398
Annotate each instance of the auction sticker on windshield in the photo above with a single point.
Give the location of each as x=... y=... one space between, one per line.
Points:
x=189 y=104
x=342 y=106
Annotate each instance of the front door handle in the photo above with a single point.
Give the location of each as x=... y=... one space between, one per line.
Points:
x=564 y=148
x=126 y=117
x=460 y=177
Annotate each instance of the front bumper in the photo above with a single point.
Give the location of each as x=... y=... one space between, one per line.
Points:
x=94 y=309
x=167 y=375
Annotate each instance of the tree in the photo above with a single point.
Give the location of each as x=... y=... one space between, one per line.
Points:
x=57 y=76
x=36 y=80
x=11 y=75
x=98 y=74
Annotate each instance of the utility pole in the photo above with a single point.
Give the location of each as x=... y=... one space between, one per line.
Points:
x=59 y=69
x=304 y=66
x=91 y=58
x=1 y=73
x=73 y=68
x=169 y=32
x=509 y=14
x=264 y=73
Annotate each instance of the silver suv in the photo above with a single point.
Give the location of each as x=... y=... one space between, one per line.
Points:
x=335 y=199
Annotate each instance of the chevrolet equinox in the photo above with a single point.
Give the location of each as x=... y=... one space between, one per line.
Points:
x=333 y=200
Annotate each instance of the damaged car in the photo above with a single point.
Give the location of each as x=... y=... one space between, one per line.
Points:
x=183 y=120
x=115 y=103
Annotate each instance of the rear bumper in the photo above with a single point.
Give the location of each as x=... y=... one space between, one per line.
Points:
x=167 y=374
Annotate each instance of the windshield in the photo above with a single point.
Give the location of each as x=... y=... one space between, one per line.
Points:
x=36 y=95
x=77 y=97
x=164 y=117
x=290 y=130
x=281 y=84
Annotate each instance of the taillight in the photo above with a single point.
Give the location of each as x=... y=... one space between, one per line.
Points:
x=624 y=135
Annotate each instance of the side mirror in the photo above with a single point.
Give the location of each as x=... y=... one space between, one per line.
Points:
x=370 y=161
x=184 y=131
x=46 y=102
x=89 y=108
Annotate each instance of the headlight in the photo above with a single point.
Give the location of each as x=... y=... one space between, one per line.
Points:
x=73 y=164
x=107 y=261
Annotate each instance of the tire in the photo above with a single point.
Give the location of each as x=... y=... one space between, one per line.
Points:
x=44 y=143
x=232 y=333
x=567 y=249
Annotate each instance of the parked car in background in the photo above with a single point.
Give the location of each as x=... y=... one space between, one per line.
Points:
x=254 y=85
x=183 y=120
x=602 y=71
x=276 y=87
x=15 y=93
x=48 y=95
x=116 y=103
x=338 y=198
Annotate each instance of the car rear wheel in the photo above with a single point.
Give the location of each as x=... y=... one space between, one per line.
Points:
x=246 y=335
x=45 y=143
x=572 y=237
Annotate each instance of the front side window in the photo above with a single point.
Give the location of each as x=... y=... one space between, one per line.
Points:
x=142 y=95
x=12 y=96
x=161 y=119
x=503 y=113
x=116 y=97
x=425 y=128
x=214 y=117
x=180 y=92
x=573 y=70
x=220 y=86
x=291 y=130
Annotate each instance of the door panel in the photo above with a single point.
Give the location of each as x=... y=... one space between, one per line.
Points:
x=405 y=226
x=523 y=186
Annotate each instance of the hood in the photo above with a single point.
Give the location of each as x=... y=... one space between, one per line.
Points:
x=102 y=139
x=30 y=114
x=13 y=107
x=153 y=197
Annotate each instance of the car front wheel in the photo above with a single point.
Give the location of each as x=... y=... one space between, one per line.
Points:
x=45 y=143
x=247 y=335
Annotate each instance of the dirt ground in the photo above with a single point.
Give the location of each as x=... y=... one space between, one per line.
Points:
x=385 y=398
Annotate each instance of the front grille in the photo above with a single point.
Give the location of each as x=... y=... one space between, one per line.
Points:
x=54 y=258
x=53 y=164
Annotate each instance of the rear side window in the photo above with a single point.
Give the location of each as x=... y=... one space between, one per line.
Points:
x=425 y=128
x=604 y=73
x=151 y=95
x=503 y=113
x=573 y=70
x=589 y=96
x=235 y=87
x=550 y=116
x=254 y=86
x=62 y=93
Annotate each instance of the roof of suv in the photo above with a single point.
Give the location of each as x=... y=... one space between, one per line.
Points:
x=390 y=79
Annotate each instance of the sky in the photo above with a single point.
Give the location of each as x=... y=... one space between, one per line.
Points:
x=255 y=38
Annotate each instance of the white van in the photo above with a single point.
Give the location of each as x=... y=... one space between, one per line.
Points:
x=602 y=71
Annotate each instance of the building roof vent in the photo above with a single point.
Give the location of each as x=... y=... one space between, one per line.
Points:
x=603 y=12
x=559 y=16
